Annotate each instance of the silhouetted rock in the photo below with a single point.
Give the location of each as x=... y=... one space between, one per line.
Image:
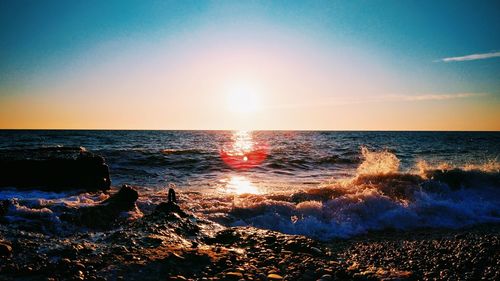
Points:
x=4 y=205
x=123 y=199
x=170 y=207
x=171 y=195
x=105 y=213
x=5 y=249
x=55 y=169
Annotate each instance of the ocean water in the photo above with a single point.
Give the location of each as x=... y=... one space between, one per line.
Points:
x=321 y=184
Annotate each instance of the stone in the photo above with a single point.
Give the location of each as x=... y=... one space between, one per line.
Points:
x=233 y=275
x=54 y=169
x=274 y=276
x=326 y=277
x=316 y=251
x=170 y=207
x=4 y=207
x=5 y=249
x=105 y=213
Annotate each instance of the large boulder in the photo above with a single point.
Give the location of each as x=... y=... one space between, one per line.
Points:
x=54 y=169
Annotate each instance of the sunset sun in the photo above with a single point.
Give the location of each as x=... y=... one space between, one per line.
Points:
x=249 y=140
x=242 y=98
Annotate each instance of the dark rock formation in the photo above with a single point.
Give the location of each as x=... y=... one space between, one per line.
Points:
x=5 y=249
x=104 y=214
x=55 y=169
x=4 y=205
x=170 y=206
x=171 y=195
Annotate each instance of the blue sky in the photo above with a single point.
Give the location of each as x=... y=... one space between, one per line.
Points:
x=421 y=47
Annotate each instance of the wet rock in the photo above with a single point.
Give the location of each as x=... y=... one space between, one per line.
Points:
x=226 y=236
x=274 y=276
x=233 y=276
x=316 y=251
x=170 y=207
x=177 y=278
x=123 y=200
x=105 y=213
x=326 y=277
x=54 y=169
x=4 y=206
x=5 y=249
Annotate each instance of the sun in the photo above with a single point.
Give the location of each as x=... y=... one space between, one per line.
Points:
x=242 y=98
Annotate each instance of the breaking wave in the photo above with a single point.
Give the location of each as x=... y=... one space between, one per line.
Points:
x=378 y=197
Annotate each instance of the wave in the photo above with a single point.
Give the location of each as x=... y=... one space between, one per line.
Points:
x=378 y=197
x=41 y=210
x=167 y=151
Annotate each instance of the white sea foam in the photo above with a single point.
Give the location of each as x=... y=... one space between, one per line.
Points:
x=378 y=197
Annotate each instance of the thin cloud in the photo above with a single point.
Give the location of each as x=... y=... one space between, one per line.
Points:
x=471 y=57
x=435 y=97
x=379 y=99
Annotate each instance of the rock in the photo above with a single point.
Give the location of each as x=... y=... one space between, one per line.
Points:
x=54 y=169
x=170 y=207
x=316 y=251
x=4 y=206
x=177 y=278
x=274 y=276
x=123 y=199
x=105 y=213
x=227 y=236
x=233 y=276
x=326 y=277
x=5 y=249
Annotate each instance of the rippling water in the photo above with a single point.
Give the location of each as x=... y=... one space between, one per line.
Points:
x=321 y=184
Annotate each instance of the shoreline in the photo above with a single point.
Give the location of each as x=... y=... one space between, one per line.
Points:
x=174 y=245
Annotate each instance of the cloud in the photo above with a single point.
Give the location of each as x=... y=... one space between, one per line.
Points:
x=377 y=99
x=434 y=97
x=471 y=57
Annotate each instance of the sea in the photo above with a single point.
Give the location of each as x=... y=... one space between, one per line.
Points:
x=321 y=184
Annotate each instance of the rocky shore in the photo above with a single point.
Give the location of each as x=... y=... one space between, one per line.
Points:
x=170 y=244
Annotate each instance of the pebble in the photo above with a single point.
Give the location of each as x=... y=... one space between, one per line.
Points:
x=326 y=277
x=316 y=251
x=252 y=254
x=274 y=276
x=234 y=275
x=5 y=249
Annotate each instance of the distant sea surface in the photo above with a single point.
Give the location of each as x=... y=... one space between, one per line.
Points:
x=321 y=184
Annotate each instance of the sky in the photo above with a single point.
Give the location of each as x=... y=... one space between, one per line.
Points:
x=287 y=65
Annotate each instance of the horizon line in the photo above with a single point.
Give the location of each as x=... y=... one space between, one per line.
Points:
x=256 y=130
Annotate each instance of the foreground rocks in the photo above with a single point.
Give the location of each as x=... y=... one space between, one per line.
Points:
x=54 y=169
x=171 y=244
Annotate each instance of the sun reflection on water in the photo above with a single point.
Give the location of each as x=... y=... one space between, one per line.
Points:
x=243 y=151
x=241 y=185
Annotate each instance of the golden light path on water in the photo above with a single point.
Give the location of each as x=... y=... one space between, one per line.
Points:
x=242 y=153
x=240 y=185
x=242 y=143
